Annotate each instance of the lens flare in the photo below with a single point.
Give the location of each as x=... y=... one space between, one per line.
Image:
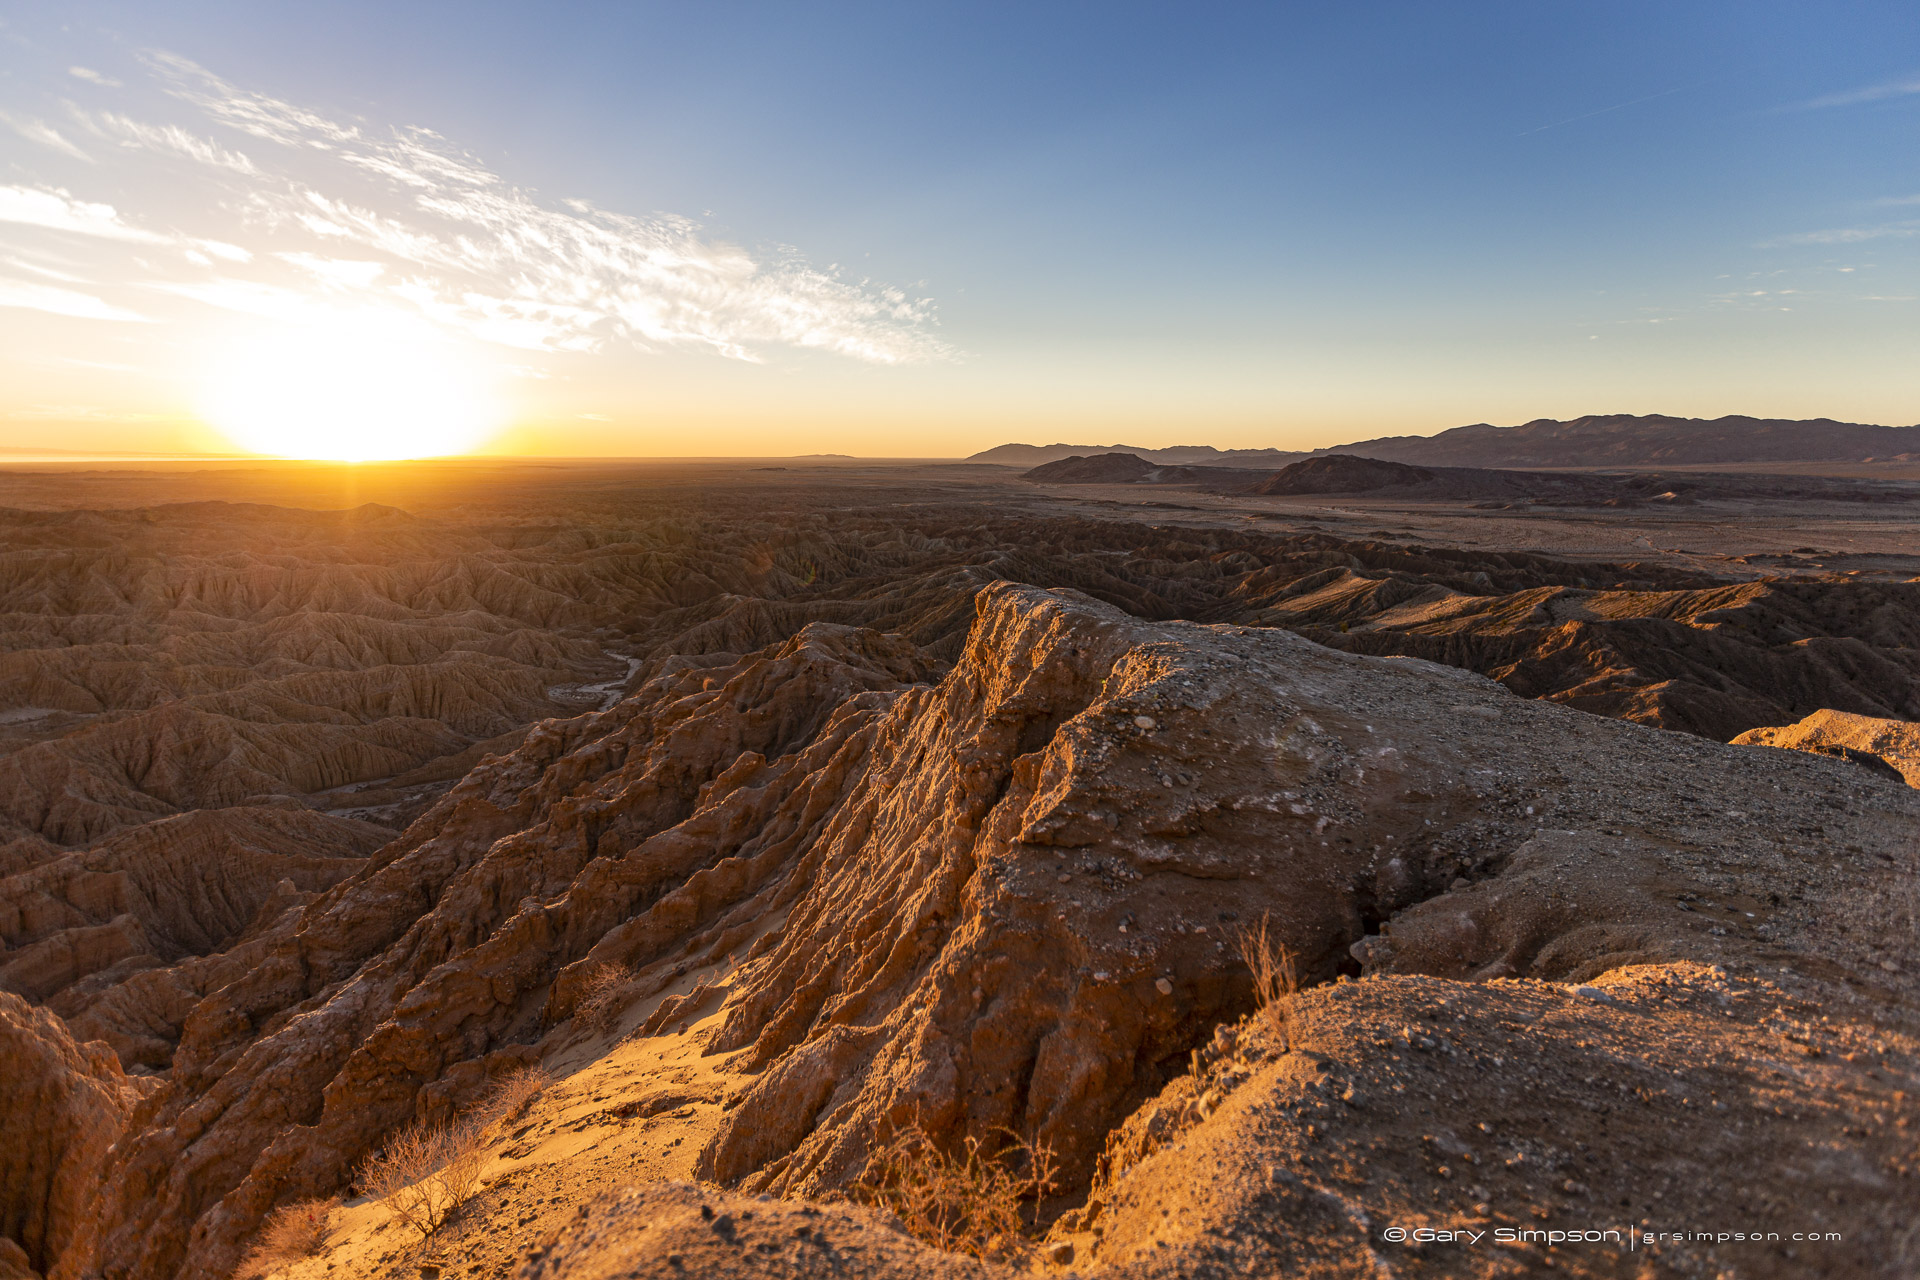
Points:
x=351 y=394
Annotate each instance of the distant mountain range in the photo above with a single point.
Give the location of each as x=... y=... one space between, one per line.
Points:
x=1351 y=474
x=1598 y=440
x=1186 y=455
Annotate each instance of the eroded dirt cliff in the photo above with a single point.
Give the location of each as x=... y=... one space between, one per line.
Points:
x=1005 y=900
x=875 y=826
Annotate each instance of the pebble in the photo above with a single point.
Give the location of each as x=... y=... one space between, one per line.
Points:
x=1164 y=987
x=1143 y=722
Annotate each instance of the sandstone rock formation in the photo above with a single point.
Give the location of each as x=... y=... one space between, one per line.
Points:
x=673 y=1230
x=65 y=1106
x=1005 y=900
x=1892 y=744
x=949 y=820
x=1671 y=1110
x=1710 y=660
x=156 y=669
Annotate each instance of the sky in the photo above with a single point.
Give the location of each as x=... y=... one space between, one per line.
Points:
x=923 y=230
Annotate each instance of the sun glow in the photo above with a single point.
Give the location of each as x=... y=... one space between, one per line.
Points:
x=349 y=393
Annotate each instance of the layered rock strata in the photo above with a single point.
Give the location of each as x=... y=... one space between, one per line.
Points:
x=1008 y=899
x=66 y=1104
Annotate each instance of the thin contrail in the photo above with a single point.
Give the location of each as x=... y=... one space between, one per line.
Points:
x=1618 y=106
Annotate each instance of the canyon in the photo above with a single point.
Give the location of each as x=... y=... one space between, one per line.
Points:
x=910 y=795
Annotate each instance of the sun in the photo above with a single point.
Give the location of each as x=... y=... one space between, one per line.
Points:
x=349 y=392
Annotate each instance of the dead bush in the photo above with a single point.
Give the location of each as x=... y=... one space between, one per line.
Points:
x=600 y=1002
x=510 y=1097
x=426 y=1172
x=968 y=1202
x=1276 y=981
x=290 y=1233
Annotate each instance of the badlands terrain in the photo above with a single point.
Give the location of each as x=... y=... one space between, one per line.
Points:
x=749 y=817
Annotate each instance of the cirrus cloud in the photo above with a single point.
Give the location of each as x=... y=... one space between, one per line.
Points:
x=400 y=217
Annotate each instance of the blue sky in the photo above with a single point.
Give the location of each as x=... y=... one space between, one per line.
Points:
x=1253 y=225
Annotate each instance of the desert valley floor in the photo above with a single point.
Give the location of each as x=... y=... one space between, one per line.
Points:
x=764 y=812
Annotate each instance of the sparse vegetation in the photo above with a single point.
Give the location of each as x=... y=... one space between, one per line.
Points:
x=509 y=1099
x=1276 y=980
x=290 y=1233
x=969 y=1202
x=600 y=1001
x=426 y=1172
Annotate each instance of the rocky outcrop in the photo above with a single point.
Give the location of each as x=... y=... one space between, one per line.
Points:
x=1006 y=900
x=1489 y=1114
x=66 y=1104
x=1710 y=660
x=663 y=810
x=1889 y=745
x=676 y=1230
x=939 y=846
x=211 y=654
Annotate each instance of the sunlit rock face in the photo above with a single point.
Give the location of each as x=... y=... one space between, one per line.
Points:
x=67 y=1103
x=327 y=820
x=1004 y=895
x=1877 y=743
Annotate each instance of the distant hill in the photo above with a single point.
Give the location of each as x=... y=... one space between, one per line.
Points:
x=1627 y=440
x=1128 y=468
x=1033 y=455
x=1345 y=473
x=1342 y=473
x=1101 y=468
x=1598 y=440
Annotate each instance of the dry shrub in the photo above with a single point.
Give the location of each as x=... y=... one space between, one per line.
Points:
x=599 y=1002
x=964 y=1203
x=1276 y=981
x=290 y=1233
x=427 y=1172
x=510 y=1097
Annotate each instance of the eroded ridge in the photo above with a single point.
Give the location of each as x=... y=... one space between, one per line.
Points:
x=1003 y=895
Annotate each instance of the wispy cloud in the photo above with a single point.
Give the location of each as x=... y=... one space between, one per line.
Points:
x=251 y=113
x=400 y=218
x=56 y=210
x=93 y=77
x=1868 y=93
x=61 y=302
x=1846 y=235
x=175 y=141
x=248 y=297
x=50 y=273
x=341 y=273
x=43 y=133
